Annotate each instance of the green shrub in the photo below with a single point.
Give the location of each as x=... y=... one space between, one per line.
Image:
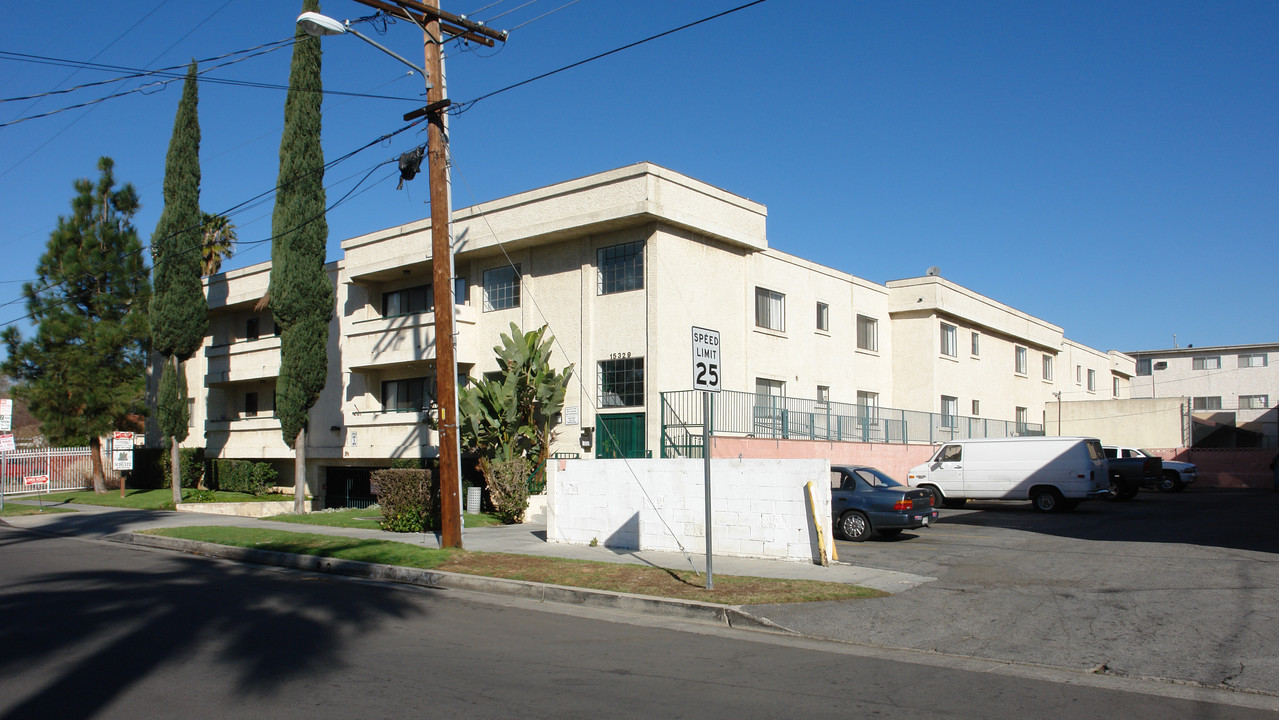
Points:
x=508 y=487
x=199 y=496
x=190 y=464
x=408 y=498
x=255 y=478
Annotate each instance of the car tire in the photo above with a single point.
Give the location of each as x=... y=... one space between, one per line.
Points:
x=1115 y=492
x=954 y=503
x=1171 y=482
x=854 y=526
x=1048 y=500
x=890 y=532
x=938 y=498
x=1128 y=494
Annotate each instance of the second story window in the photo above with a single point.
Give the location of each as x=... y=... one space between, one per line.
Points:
x=1048 y=367
x=405 y=395
x=1143 y=366
x=502 y=288
x=976 y=344
x=948 y=340
x=621 y=382
x=1211 y=362
x=1092 y=380
x=823 y=316
x=1020 y=358
x=408 y=301
x=867 y=333
x=252 y=329
x=770 y=309
x=1252 y=360
x=621 y=268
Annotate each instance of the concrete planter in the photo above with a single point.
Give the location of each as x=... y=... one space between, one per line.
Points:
x=242 y=509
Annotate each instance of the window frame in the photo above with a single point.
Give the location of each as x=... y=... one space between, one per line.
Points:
x=767 y=303
x=610 y=381
x=867 y=333
x=1246 y=360
x=411 y=300
x=949 y=340
x=404 y=395
x=504 y=289
x=619 y=268
x=1048 y=367
x=949 y=411
x=1019 y=360
x=1206 y=362
x=976 y=344
x=1255 y=402
x=1204 y=403
x=1092 y=380
x=823 y=317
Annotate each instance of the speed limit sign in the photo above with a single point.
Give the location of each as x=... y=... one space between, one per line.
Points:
x=706 y=360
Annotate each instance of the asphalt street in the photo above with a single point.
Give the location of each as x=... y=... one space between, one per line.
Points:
x=101 y=630
x=1176 y=586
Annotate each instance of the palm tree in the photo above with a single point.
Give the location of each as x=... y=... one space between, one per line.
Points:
x=219 y=241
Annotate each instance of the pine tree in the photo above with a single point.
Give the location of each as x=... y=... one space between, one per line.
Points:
x=84 y=372
x=301 y=294
x=179 y=313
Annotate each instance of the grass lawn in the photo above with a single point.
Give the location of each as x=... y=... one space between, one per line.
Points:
x=11 y=509
x=368 y=518
x=641 y=579
x=150 y=499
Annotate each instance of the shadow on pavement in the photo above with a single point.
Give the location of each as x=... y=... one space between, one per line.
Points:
x=98 y=630
x=1238 y=519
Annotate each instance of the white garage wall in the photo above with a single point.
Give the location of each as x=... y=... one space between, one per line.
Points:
x=760 y=507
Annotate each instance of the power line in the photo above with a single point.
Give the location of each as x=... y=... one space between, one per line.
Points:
x=464 y=106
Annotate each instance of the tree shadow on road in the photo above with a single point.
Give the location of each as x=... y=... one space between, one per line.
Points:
x=102 y=630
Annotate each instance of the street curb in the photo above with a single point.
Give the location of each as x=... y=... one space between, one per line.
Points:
x=729 y=615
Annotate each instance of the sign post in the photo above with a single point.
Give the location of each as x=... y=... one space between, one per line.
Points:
x=706 y=377
x=37 y=480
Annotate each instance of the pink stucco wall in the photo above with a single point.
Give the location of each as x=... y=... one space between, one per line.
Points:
x=1219 y=468
x=896 y=460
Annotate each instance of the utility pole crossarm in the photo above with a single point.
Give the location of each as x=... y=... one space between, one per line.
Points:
x=452 y=24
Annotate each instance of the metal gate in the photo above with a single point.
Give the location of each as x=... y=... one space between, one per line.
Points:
x=620 y=436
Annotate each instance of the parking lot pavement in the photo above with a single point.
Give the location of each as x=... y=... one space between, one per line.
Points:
x=1179 y=586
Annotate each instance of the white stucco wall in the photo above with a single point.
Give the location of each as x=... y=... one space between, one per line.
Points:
x=760 y=508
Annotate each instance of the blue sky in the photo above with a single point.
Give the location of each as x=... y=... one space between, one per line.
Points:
x=1112 y=168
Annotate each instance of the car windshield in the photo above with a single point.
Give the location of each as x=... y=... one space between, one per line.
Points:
x=876 y=478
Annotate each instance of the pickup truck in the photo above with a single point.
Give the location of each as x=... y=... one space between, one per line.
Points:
x=1174 y=477
x=1128 y=473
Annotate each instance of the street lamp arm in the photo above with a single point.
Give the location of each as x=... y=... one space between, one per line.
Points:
x=318 y=25
x=388 y=51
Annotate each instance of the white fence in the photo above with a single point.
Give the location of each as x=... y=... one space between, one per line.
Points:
x=66 y=468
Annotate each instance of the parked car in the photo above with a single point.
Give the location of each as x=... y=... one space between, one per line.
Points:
x=1054 y=473
x=1130 y=473
x=865 y=500
x=1173 y=477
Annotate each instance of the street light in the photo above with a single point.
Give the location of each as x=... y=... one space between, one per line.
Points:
x=317 y=25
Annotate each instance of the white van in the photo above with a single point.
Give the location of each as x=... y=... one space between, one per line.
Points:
x=1055 y=473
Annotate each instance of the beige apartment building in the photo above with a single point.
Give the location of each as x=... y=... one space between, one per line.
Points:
x=621 y=266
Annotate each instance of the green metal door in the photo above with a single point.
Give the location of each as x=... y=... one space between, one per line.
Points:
x=620 y=436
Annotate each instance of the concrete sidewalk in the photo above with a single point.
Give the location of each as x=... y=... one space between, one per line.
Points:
x=97 y=522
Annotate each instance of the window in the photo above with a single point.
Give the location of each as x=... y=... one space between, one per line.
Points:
x=408 y=301
x=948 y=340
x=823 y=316
x=1019 y=358
x=1048 y=367
x=949 y=411
x=1143 y=366
x=1252 y=360
x=1211 y=362
x=867 y=405
x=405 y=395
x=770 y=310
x=823 y=394
x=976 y=408
x=1207 y=403
x=190 y=412
x=1114 y=387
x=769 y=388
x=251 y=329
x=502 y=288
x=1161 y=365
x=976 y=344
x=951 y=453
x=867 y=333
x=1092 y=380
x=1020 y=413
x=621 y=382
x=1079 y=374
x=250 y=404
x=621 y=267
x=1254 y=402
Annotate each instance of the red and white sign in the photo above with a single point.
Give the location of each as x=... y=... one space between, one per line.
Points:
x=6 y=443
x=36 y=480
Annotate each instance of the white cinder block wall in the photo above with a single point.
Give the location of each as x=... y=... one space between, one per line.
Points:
x=760 y=508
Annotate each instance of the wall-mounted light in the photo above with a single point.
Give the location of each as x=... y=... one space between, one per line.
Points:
x=587 y=438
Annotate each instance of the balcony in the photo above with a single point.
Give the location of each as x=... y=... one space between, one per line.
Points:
x=406 y=341
x=244 y=361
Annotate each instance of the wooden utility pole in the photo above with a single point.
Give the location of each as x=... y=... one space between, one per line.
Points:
x=434 y=24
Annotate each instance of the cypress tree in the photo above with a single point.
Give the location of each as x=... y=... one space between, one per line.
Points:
x=84 y=372
x=179 y=313
x=301 y=295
